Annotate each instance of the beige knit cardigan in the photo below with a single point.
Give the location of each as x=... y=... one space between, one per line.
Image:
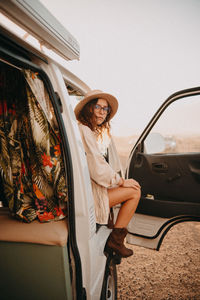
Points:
x=102 y=175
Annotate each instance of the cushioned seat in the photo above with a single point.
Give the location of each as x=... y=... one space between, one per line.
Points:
x=52 y=233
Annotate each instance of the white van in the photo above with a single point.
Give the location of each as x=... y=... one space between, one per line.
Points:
x=65 y=259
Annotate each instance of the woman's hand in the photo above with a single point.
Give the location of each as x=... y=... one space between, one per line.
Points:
x=131 y=183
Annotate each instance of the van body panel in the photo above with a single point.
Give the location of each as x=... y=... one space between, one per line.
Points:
x=87 y=239
x=38 y=21
x=89 y=242
x=39 y=271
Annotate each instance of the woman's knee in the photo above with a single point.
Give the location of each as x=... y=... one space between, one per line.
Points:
x=136 y=195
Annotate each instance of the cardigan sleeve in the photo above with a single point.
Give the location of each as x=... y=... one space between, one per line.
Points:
x=100 y=170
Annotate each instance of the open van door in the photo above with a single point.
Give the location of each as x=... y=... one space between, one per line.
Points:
x=166 y=162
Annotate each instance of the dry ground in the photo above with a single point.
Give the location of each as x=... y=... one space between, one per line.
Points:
x=173 y=272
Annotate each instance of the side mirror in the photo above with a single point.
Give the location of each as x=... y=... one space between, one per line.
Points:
x=154 y=143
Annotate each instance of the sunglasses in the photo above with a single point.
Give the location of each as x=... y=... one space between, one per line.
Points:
x=105 y=109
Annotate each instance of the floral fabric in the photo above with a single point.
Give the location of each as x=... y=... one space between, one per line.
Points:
x=31 y=165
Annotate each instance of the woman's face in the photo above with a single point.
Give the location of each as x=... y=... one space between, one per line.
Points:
x=101 y=110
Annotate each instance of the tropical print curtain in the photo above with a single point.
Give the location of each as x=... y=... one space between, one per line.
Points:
x=31 y=163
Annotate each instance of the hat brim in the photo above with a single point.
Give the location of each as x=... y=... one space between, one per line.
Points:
x=109 y=98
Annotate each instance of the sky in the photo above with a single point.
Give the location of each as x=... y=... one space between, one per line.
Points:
x=141 y=51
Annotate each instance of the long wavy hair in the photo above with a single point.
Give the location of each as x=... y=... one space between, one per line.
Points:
x=86 y=117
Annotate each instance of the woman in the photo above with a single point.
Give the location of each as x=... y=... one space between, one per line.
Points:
x=109 y=189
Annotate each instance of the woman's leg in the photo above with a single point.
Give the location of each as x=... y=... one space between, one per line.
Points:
x=129 y=198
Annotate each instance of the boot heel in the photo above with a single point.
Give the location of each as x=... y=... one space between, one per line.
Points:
x=117 y=259
x=108 y=251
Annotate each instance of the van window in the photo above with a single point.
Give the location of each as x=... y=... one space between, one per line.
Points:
x=74 y=94
x=33 y=180
x=179 y=126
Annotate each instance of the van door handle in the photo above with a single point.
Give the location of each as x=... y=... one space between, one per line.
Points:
x=160 y=167
x=195 y=171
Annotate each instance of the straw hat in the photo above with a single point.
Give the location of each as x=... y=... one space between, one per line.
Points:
x=97 y=94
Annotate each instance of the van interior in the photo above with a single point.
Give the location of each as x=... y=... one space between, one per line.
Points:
x=34 y=193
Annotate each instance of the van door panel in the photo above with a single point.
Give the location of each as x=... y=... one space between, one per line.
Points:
x=168 y=177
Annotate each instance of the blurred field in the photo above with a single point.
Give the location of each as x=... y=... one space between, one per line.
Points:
x=124 y=146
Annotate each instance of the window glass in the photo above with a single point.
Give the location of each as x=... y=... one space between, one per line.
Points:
x=178 y=128
x=74 y=95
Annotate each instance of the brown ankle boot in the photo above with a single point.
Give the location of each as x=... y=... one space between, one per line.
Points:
x=115 y=243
